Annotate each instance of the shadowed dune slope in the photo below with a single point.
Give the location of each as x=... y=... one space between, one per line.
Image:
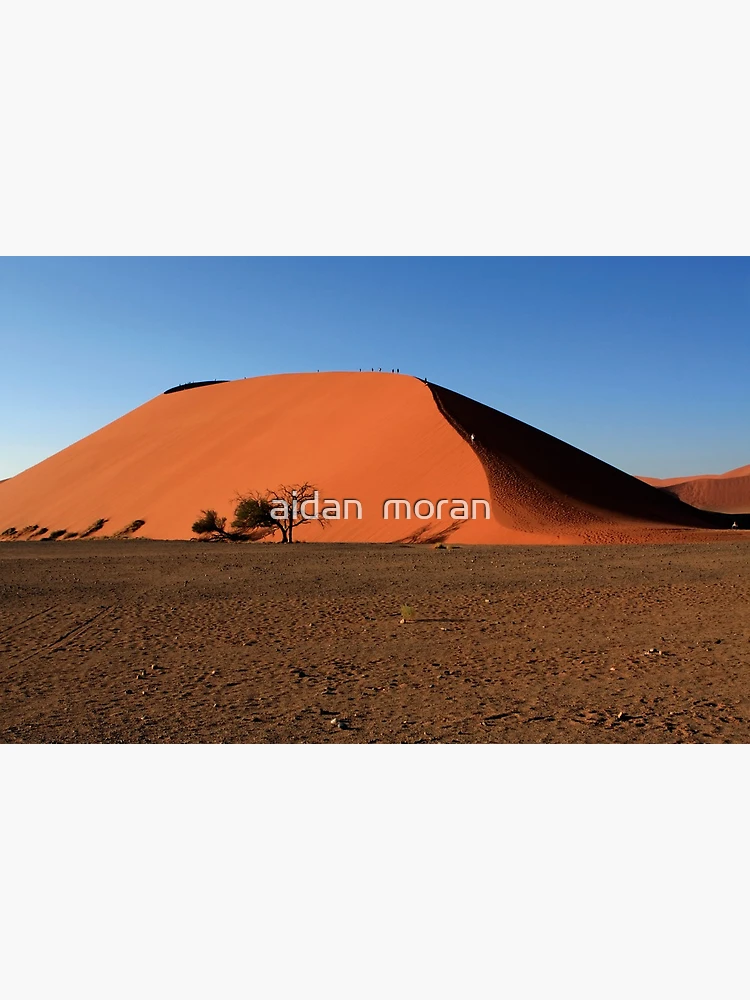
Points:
x=539 y=483
x=365 y=436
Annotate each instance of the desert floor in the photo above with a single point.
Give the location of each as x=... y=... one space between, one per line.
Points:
x=179 y=642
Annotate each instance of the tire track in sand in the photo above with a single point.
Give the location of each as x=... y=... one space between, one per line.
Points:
x=71 y=634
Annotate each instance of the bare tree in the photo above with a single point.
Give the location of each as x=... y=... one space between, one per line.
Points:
x=284 y=508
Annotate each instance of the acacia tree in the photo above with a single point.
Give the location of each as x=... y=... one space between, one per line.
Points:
x=253 y=513
x=284 y=509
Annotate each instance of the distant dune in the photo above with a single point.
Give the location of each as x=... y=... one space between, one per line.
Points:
x=744 y=470
x=365 y=436
x=728 y=492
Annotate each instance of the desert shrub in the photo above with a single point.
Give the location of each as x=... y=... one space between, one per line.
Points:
x=93 y=528
x=29 y=529
x=70 y=534
x=253 y=512
x=407 y=613
x=55 y=534
x=209 y=522
x=42 y=531
x=9 y=533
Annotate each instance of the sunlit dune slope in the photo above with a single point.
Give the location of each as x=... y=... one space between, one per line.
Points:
x=364 y=436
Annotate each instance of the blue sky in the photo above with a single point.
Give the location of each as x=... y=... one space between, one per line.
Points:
x=642 y=362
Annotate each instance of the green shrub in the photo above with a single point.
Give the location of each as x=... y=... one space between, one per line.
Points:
x=252 y=512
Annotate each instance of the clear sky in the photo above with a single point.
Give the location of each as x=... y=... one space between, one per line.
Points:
x=643 y=362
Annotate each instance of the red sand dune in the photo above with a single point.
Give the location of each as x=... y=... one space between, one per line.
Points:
x=743 y=470
x=366 y=436
x=728 y=492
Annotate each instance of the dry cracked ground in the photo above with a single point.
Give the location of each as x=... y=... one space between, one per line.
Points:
x=183 y=642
